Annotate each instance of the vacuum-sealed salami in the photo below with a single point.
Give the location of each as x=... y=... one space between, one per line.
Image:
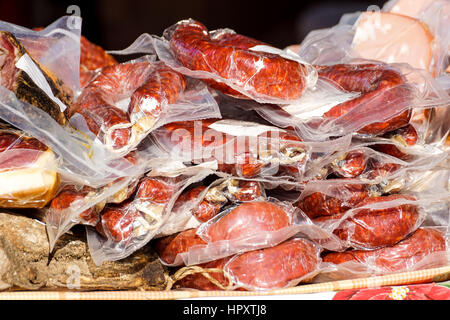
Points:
x=125 y=227
x=240 y=228
x=285 y=265
x=425 y=248
x=375 y=228
x=92 y=58
x=81 y=204
x=149 y=90
x=234 y=64
x=201 y=203
x=384 y=101
x=245 y=149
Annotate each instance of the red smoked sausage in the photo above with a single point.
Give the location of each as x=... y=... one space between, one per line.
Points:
x=92 y=57
x=149 y=85
x=407 y=136
x=320 y=204
x=195 y=139
x=68 y=195
x=162 y=87
x=117 y=221
x=402 y=256
x=270 y=268
x=169 y=247
x=267 y=74
x=374 y=228
x=247 y=219
x=380 y=87
x=351 y=166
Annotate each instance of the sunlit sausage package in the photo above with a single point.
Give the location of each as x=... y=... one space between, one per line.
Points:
x=125 y=227
x=235 y=64
x=427 y=247
x=287 y=264
x=383 y=103
x=390 y=34
x=237 y=227
x=124 y=102
x=246 y=149
x=27 y=171
x=201 y=202
x=348 y=213
x=379 y=159
x=81 y=204
x=382 y=38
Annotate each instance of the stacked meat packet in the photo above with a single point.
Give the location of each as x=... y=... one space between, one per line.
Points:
x=245 y=166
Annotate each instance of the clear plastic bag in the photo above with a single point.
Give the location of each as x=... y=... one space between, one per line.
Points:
x=285 y=265
x=81 y=204
x=384 y=105
x=238 y=228
x=201 y=203
x=46 y=81
x=125 y=102
x=373 y=224
x=84 y=159
x=316 y=95
x=380 y=159
x=75 y=205
x=56 y=47
x=384 y=35
x=235 y=64
x=426 y=248
x=92 y=58
x=435 y=14
x=126 y=227
x=246 y=149
x=351 y=215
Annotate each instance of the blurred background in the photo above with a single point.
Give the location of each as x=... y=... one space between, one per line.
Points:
x=115 y=24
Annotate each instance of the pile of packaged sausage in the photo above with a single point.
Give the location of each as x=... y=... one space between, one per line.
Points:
x=245 y=166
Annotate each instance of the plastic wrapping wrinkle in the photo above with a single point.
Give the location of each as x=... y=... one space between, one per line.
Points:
x=385 y=107
x=201 y=203
x=245 y=149
x=78 y=161
x=388 y=35
x=247 y=166
x=378 y=222
x=82 y=205
x=80 y=158
x=374 y=32
x=92 y=58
